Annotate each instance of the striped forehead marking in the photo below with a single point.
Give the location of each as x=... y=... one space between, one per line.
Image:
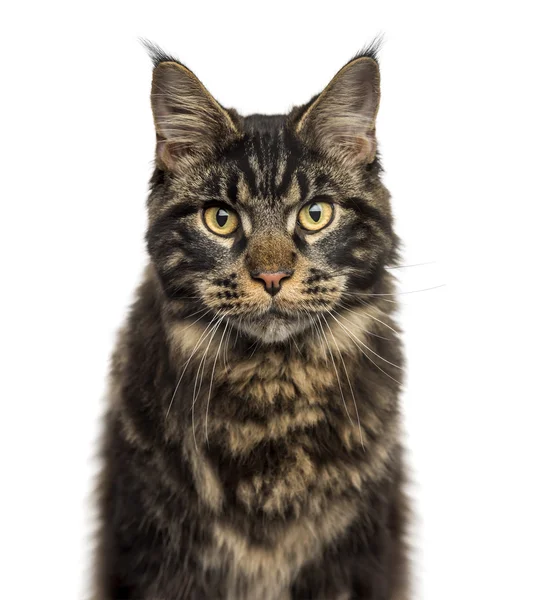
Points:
x=270 y=172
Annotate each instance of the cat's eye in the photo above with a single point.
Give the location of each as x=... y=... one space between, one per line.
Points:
x=221 y=220
x=315 y=215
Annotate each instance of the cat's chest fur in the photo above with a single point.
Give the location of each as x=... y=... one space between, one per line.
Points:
x=278 y=458
x=268 y=430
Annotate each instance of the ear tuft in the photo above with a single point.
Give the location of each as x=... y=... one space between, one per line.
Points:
x=156 y=53
x=189 y=122
x=341 y=121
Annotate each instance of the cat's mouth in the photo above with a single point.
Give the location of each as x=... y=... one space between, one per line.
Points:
x=275 y=311
x=274 y=325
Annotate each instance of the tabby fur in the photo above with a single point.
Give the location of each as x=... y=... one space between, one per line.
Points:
x=252 y=445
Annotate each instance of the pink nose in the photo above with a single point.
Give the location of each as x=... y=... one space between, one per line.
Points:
x=272 y=280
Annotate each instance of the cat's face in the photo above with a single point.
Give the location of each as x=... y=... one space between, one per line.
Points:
x=268 y=221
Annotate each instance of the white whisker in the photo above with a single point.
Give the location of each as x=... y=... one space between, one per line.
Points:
x=211 y=382
x=337 y=373
x=349 y=383
x=434 y=287
x=199 y=378
x=370 y=349
x=367 y=314
x=202 y=337
x=431 y=262
x=355 y=340
x=198 y=319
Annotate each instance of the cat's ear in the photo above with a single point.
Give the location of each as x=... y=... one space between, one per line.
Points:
x=189 y=122
x=341 y=121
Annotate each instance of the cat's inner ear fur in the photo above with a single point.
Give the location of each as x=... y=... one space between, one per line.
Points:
x=341 y=121
x=189 y=122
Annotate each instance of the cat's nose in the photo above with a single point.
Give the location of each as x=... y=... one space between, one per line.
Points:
x=272 y=281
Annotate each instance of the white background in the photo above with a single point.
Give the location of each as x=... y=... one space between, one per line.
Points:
x=455 y=130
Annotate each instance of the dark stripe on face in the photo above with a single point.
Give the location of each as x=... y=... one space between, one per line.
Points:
x=176 y=283
x=168 y=236
x=300 y=242
x=303 y=184
x=274 y=160
x=240 y=243
x=258 y=151
x=158 y=178
x=290 y=167
x=232 y=188
x=249 y=174
x=293 y=159
x=160 y=236
x=238 y=160
x=213 y=186
x=321 y=180
x=174 y=214
x=366 y=278
x=364 y=209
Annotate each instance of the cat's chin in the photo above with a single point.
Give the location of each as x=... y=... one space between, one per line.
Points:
x=273 y=328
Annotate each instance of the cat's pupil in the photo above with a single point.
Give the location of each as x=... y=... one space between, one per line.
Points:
x=222 y=217
x=315 y=212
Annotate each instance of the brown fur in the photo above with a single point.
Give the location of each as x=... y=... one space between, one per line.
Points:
x=252 y=446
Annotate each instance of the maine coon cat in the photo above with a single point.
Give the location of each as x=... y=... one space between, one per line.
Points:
x=252 y=448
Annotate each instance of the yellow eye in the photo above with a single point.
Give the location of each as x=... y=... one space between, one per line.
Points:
x=221 y=220
x=315 y=215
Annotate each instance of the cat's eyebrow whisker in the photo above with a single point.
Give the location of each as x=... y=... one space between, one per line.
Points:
x=202 y=337
x=349 y=383
x=211 y=383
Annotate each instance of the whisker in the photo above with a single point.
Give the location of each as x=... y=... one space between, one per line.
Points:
x=199 y=377
x=313 y=321
x=349 y=383
x=423 y=264
x=337 y=373
x=211 y=382
x=225 y=354
x=202 y=360
x=370 y=349
x=293 y=338
x=354 y=339
x=434 y=287
x=255 y=346
x=202 y=337
x=196 y=312
x=198 y=319
x=238 y=328
x=367 y=314
x=363 y=314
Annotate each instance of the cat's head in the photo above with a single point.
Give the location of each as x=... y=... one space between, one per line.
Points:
x=268 y=220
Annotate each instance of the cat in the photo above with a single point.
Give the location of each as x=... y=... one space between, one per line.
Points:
x=252 y=445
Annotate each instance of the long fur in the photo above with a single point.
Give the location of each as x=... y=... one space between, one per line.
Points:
x=252 y=447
